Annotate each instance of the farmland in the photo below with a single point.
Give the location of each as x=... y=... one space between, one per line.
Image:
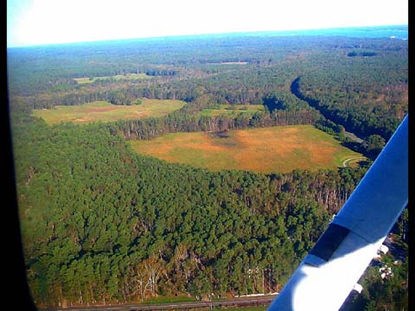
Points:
x=104 y=111
x=130 y=76
x=280 y=149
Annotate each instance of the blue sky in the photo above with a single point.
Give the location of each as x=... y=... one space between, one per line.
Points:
x=33 y=22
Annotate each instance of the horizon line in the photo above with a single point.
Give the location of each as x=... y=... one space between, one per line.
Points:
x=230 y=33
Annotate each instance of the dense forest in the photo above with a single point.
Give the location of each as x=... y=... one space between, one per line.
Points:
x=105 y=219
x=103 y=224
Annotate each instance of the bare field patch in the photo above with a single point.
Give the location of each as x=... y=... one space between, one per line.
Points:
x=104 y=111
x=273 y=149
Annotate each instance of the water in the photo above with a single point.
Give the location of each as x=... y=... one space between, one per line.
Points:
x=394 y=31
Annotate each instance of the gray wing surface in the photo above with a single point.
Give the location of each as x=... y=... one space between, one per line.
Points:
x=326 y=276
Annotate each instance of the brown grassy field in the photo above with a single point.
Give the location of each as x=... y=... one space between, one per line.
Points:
x=273 y=149
x=104 y=111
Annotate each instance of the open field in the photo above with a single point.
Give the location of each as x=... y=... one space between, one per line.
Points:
x=272 y=149
x=231 y=110
x=104 y=111
x=130 y=76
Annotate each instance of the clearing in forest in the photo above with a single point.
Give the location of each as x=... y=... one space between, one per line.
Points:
x=129 y=76
x=273 y=149
x=104 y=111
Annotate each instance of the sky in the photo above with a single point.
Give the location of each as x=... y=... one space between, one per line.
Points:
x=35 y=22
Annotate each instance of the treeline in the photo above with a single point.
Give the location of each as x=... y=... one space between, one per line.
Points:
x=185 y=122
x=101 y=224
x=361 y=54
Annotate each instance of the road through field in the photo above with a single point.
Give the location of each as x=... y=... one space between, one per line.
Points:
x=235 y=302
x=346 y=162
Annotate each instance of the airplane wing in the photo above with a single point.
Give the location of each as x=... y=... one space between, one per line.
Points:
x=326 y=276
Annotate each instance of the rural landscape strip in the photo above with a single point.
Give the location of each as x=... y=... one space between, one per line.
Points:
x=236 y=302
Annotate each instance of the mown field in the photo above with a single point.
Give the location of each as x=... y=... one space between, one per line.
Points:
x=231 y=110
x=130 y=76
x=104 y=111
x=273 y=149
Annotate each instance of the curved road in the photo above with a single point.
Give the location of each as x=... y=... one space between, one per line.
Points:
x=346 y=162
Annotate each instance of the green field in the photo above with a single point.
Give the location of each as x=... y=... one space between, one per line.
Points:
x=130 y=76
x=231 y=110
x=104 y=111
x=272 y=149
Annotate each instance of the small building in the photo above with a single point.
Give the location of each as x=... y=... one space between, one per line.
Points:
x=358 y=288
x=383 y=249
x=386 y=272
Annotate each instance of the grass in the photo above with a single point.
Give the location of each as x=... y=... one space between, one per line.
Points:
x=272 y=149
x=169 y=299
x=129 y=76
x=104 y=111
x=231 y=110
